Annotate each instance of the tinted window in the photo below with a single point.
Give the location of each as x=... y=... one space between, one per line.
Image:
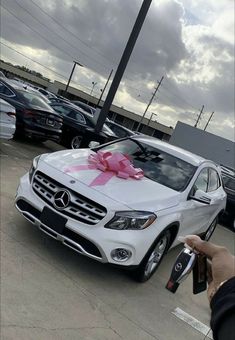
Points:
x=77 y=116
x=214 y=182
x=70 y=112
x=118 y=130
x=35 y=100
x=157 y=165
x=61 y=109
x=6 y=91
x=201 y=182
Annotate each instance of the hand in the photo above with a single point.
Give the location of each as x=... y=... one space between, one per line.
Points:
x=222 y=265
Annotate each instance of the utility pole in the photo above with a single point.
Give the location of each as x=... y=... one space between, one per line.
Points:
x=102 y=92
x=71 y=74
x=123 y=63
x=150 y=102
x=199 y=116
x=208 y=121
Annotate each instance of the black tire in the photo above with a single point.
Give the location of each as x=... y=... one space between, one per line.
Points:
x=153 y=258
x=210 y=230
x=76 y=142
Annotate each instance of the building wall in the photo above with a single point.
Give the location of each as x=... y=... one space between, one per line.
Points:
x=205 y=144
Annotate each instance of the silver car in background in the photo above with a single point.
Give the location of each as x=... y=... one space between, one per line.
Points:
x=7 y=120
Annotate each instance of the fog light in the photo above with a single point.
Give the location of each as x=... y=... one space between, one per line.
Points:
x=121 y=254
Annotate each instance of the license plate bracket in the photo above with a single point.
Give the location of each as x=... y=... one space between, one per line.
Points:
x=53 y=220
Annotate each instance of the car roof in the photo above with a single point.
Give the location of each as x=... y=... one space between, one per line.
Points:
x=15 y=84
x=185 y=155
x=227 y=171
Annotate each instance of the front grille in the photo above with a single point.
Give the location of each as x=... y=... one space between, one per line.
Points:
x=80 y=207
x=87 y=245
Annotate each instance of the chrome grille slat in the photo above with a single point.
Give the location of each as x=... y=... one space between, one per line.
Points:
x=80 y=208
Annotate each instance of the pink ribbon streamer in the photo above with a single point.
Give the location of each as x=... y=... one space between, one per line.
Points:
x=111 y=164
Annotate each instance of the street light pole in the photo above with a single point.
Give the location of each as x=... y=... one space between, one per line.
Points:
x=151 y=118
x=102 y=91
x=93 y=86
x=123 y=63
x=71 y=74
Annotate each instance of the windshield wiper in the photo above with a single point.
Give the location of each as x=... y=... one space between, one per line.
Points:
x=141 y=146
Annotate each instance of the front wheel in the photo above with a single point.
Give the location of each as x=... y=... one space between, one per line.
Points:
x=153 y=258
x=76 y=142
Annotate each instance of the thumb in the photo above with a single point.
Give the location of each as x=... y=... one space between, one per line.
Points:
x=207 y=248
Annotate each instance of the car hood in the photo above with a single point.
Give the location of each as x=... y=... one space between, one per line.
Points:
x=143 y=194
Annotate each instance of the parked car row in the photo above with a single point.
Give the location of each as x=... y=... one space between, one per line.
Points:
x=78 y=119
x=41 y=116
x=35 y=118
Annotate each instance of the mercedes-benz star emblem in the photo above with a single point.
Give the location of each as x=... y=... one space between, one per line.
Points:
x=61 y=199
x=178 y=266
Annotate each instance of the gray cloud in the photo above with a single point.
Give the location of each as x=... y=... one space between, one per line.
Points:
x=160 y=50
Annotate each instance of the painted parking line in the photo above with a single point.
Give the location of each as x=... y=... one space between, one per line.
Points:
x=193 y=322
x=6 y=144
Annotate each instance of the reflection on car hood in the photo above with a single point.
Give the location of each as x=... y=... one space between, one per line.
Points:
x=143 y=194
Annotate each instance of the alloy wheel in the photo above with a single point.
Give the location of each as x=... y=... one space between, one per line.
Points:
x=156 y=255
x=76 y=142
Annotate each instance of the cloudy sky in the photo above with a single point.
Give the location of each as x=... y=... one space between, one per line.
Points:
x=190 y=43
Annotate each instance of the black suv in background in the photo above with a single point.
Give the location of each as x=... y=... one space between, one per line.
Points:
x=34 y=117
x=79 y=127
x=228 y=176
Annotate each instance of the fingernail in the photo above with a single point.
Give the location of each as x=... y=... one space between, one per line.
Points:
x=182 y=239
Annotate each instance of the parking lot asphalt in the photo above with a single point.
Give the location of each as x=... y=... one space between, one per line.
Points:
x=50 y=292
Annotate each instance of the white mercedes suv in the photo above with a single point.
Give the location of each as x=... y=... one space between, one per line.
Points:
x=124 y=221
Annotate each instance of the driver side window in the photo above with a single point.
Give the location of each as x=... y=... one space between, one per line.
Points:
x=202 y=181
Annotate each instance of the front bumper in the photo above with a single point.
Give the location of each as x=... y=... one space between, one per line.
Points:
x=94 y=241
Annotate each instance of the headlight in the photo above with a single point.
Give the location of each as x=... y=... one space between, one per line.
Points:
x=33 y=167
x=131 y=220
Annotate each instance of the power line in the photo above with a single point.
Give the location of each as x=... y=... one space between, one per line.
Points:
x=150 y=102
x=36 y=62
x=177 y=96
x=61 y=50
x=11 y=48
x=70 y=32
x=42 y=36
x=66 y=41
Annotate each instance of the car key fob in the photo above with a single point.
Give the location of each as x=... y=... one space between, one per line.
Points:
x=200 y=274
x=181 y=269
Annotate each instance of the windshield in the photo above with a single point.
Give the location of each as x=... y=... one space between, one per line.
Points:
x=35 y=100
x=105 y=128
x=157 y=165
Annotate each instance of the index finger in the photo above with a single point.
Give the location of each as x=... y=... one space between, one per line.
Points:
x=207 y=248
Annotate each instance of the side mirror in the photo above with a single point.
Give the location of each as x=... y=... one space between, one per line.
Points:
x=200 y=196
x=93 y=144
